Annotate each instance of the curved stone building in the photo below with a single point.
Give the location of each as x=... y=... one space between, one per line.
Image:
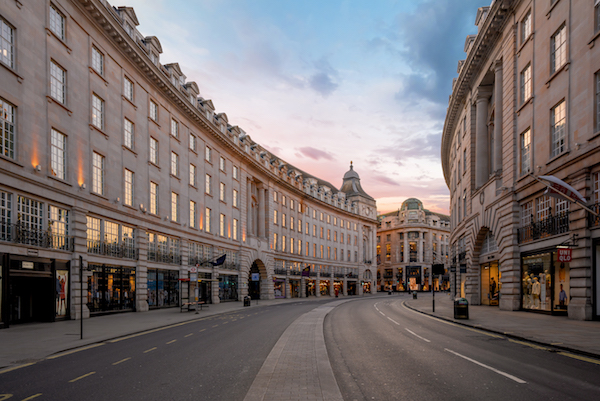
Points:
x=526 y=104
x=409 y=242
x=113 y=165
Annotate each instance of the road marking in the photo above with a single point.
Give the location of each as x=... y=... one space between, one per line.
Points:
x=158 y=329
x=32 y=397
x=528 y=344
x=416 y=335
x=191 y=334
x=121 y=361
x=81 y=377
x=382 y=314
x=511 y=377
x=225 y=322
x=151 y=349
x=201 y=330
x=171 y=342
x=581 y=358
x=216 y=325
x=15 y=368
x=389 y=318
x=75 y=350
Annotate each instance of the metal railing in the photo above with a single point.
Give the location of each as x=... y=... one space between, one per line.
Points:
x=20 y=234
x=113 y=249
x=339 y=275
x=279 y=271
x=552 y=225
x=162 y=257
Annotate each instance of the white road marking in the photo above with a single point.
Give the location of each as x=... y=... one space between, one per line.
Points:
x=520 y=381
x=416 y=335
x=392 y=320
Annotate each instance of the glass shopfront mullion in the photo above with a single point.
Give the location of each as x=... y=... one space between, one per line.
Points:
x=163 y=288
x=111 y=288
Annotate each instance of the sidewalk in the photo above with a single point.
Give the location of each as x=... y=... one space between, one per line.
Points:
x=23 y=343
x=581 y=337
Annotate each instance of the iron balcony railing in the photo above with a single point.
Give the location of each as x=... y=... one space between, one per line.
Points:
x=21 y=234
x=230 y=266
x=552 y=225
x=193 y=261
x=352 y=275
x=295 y=273
x=388 y=276
x=312 y=273
x=279 y=271
x=113 y=249
x=163 y=257
x=594 y=221
x=339 y=275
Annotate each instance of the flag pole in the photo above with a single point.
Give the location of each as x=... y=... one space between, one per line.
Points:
x=565 y=195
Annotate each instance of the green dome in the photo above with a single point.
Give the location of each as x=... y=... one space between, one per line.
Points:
x=412 y=204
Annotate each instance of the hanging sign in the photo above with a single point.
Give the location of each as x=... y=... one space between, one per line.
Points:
x=564 y=254
x=255 y=276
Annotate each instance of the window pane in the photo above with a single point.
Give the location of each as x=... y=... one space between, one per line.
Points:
x=57 y=154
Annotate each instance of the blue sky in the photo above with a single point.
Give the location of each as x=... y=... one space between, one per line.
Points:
x=323 y=83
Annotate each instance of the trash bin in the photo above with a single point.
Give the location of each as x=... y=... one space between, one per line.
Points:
x=246 y=300
x=389 y=293
x=414 y=295
x=461 y=308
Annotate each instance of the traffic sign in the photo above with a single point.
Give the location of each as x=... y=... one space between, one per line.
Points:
x=193 y=269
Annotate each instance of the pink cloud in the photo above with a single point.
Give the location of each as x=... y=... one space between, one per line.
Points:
x=315 y=154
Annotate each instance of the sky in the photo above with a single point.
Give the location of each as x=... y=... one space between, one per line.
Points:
x=324 y=83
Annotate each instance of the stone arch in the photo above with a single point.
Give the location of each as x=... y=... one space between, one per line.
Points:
x=257 y=289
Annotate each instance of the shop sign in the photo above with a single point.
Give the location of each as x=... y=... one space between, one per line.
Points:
x=564 y=254
x=26 y=265
x=255 y=276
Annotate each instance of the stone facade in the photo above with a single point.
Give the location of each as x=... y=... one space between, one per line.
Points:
x=104 y=149
x=525 y=104
x=409 y=242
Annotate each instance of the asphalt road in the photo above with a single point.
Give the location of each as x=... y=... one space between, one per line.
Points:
x=381 y=350
x=216 y=358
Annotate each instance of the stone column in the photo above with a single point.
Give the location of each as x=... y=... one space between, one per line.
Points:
x=303 y=287
x=77 y=293
x=498 y=116
x=481 y=137
x=214 y=288
x=261 y=212
x=249 y=213
x=141 y=271
x=288 y=287
x=331 y=286
x=318 y=285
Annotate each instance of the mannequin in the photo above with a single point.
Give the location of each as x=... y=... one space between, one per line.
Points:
x=543 y=290
x=535 y=291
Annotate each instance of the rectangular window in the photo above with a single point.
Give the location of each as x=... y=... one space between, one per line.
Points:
x=558 y=49
x=193 y=216
x=222 y=163
x=526 y=152
x=57 y=82
x=192 y=175
x=193 y=142
x=58 y=222
x=57 y=22
x=275 y=241
x=128 y=132
x=543 y=205
x=222 y=225
x=222 y=192
x=526 y=84
x=174 y=164
x=97 y=61
x=7 y=42
x=174 y=206
x=174 y=128
x=597 y=99
x=464 y=161
x=7 y=129
x=98 y=173
x=234 y=228
x=274 y=196
x=283 y=220
x=153 y=150
x=562 y=207
x=275 y=217
x=97 y=112
x=235 y=198
x=596 y=188
x=597 y=17
x=208 y=218
x=526 y=27
x=208 y=154
x=235 y=172
x=306 y=228
x=526 y=213
x=153 y=198
x=57 y=155
x=128 y=188
x=292 y=204
x=557 y=126
x=153 y=110
x=128 y=89
x=208 y=184
x=283 y=243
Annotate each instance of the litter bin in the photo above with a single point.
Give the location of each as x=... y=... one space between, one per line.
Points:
x=461 y=308
x=246 y=300
x=414 y=295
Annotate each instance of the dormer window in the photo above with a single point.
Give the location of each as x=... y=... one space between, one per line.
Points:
x=173 y=80
x=181 y=80
x=129 y=29
x=154 y=58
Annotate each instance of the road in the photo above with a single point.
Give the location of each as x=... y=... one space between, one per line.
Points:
x=381 y=350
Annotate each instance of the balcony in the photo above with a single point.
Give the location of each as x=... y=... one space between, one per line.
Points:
x=352 y=275
x=339 y=275
x=553 y=225
x=163 y=257
x=279 y=271
x=20 y=234
x=113 y=249
x=594 y=221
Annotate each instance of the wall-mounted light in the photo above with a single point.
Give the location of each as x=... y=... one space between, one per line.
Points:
x=82 y=186
x=117 y=200
x=38 y=168
x=142 y=208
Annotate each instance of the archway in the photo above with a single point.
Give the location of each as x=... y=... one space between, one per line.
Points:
x=257 y=273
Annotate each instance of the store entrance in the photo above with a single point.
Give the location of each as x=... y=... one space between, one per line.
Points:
x=254 y=285
x=490 y=283
x=31 y=299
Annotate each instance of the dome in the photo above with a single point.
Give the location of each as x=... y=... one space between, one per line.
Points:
x=412 y=204
x=351 y=173
x=351 y=184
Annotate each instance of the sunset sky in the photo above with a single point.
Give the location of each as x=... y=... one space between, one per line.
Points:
x=322 y=83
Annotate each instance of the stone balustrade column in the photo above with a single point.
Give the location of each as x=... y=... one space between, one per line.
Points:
x=481 y=137
x=498 y=116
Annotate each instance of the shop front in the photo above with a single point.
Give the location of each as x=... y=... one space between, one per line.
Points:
x=366 y=287
x=33 y=289
x=401 y=286
x=351 y=287
x=490 y=283
x=338 y=287
x=279 y=287
x=324 y=287
x=228 y=287
x=110 y=289
x=295 y=288
x=545 y=281
x=163 y=288
x=413 y=276
x=310 y=287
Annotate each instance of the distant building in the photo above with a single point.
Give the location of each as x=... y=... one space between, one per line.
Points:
x=527 y=103
x=112 y=162
x=409 y=242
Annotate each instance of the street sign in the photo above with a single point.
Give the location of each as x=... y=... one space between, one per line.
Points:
x=193 y=269
x=255 y=276
x=564 y=254
x=193 y=277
